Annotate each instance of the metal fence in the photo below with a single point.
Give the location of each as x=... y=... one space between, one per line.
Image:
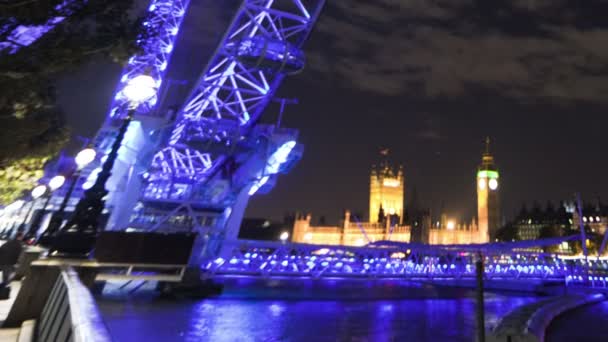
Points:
x=398 y=260
x=70 y=313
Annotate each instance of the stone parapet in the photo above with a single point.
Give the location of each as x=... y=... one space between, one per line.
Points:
x=528 y=323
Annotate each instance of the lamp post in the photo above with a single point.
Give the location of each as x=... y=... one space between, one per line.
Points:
x=78 y=235
x=82 y=159
x=284 y=236
x=479 y=303
x=37 y=192
x=11 y=208
x=54 y=184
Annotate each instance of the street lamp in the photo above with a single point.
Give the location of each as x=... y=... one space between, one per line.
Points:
x=139 y=89
x=284 y=236
x=85 y=157
x=36 y=193
x=79 y=233
x=11 y=208
x=82 y=159
x=54 y=184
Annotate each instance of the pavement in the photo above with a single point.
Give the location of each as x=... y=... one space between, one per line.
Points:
x=5 y=305
x=10 y=334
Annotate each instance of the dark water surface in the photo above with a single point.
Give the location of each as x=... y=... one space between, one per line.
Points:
x=585 y=324
x=146 y=318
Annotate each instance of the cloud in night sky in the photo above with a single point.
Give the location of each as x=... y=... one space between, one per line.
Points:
x=521 y=49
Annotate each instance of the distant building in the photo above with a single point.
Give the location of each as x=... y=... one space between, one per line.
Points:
x=387 y=219
x=449 y=232
x=386 y=202
x=386 y=190
x=595 y=217
x=538 y=223
x=349 y=232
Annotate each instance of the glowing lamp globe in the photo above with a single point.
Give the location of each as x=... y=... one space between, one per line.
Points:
x=451 y=225
x=15 y=205
x=38 y=191
x=85 y=157
x=56 y=182
x=139 y=89
x=284 y=236
x=493 y=184
x=91 y=179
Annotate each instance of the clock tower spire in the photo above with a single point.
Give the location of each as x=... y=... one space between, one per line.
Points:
x=488 y=210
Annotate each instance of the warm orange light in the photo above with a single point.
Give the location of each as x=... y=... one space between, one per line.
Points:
x=391 y=182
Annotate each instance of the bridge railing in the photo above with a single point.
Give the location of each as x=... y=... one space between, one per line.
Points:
x=70 y=313
x=590 y=272
x=263 y=258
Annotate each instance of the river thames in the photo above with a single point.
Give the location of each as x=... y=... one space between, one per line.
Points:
x=147 y=318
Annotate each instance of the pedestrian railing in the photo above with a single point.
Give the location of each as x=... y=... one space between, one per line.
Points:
x=70 y=313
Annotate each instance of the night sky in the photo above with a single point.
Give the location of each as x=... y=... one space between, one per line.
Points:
x=429 y=80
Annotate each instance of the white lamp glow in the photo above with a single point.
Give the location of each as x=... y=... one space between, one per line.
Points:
x=482 y=184
x=139 y=89
x=84 y=157
x=15 y=205
x=56 y=182
x=451 y=225
x=38 y=191
x=493 y=184
x=284 y=236
x=91 y=179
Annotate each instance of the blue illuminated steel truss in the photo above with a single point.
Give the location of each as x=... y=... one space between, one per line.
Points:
x=165 y=19
x=163 y=22
x=261 y=46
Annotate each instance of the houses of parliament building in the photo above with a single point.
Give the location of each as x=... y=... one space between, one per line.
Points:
x=390 y=221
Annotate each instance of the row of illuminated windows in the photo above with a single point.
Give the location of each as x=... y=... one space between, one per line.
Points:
x=176 y=220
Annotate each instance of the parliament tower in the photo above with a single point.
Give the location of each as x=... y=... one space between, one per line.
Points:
x=488 y=209
x=386 y=190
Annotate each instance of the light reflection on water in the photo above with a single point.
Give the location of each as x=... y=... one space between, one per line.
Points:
x=149 y=319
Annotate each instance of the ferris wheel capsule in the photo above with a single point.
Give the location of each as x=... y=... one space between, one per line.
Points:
x=264 y=53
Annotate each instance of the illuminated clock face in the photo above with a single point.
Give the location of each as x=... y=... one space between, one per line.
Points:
x=493 y=184
x=482 y=183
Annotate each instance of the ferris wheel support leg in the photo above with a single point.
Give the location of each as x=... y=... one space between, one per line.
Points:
x=210 y=244
x=233 y=224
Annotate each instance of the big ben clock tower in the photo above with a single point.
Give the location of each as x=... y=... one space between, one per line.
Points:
x=488 y=211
